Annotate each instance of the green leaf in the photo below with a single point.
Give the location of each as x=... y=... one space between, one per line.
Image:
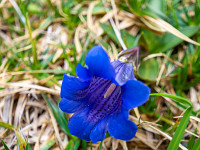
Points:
x=136 y=7
x=196 y=9
x=58 y=114
x=90 y=145
x=176 y=139
x=19 y=12
x=99 y=9
x=157 y=44
x=34 y=8
x=73 y=144
x=110 y=32
x=69 y=145
x=84 y=145
x=191 y=140
x=198 y=3
x=20 y=140
x=48 y=145
x=175 y=98
x=129 y=40
x=100 y=146
x=158 y=8
x=8 y=126
x=149 y=69
x=76 y=144
x=46 y=22
x=4 y=144
x=28 y=147
x=197 y=145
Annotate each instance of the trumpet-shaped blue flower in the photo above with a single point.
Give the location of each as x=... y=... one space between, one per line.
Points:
x=101 y=97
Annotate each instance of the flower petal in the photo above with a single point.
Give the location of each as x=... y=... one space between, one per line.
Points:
x=99 y=64
x=99 y=131
x=134 y=94
x=116 y=63
x=83 y=72
x=120 y=127
x=71 y=106
x=80 y=126
x=70 y=85
x=124 y=72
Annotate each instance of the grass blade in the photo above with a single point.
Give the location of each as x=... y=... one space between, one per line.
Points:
x=28 y=147
x=174 y=144
x=4 y=144
x=76 y=144
x=100 y=146
x=69 y=145
x=175 y=98
x=197 y=145
x=20 y=140
x=48 y=145
x=84 y=145
x=17 y=9
x=191 y=140
x=58 y=114
x=90 y=145
x=73 y=144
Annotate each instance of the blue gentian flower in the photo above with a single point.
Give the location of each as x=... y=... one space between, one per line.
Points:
x=101 y=97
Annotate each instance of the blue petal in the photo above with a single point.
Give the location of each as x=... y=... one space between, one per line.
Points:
x=99 y=64
x=120 y=127
x=71 y=106
x=80 y=126
x=99 y=131
x=70 y=85
x=124 y=72
x=83 y=72
x=134 y=94
x=116 y=63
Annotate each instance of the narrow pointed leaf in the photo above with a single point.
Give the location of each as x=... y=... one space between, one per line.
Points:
x=175 y=98
x=48 y=145
x=28 y=147
x=197 y=145
x=176 y=139
x=191 y=141
x=58 y=114
x=5 y=146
